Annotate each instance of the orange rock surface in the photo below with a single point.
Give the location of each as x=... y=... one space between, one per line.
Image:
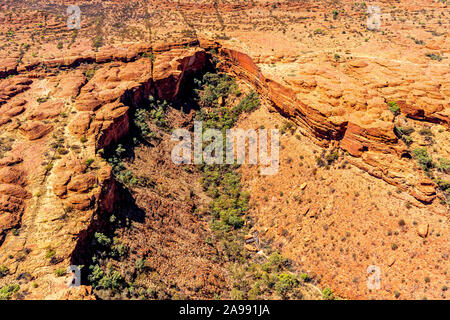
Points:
x=66 y=96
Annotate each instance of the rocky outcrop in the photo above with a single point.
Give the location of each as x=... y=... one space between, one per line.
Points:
x=104 y=101
x=75 y=188
x=426 y=112
x=355 y=117
x=12 y=194
x=34 y=130
x=12 y=87
x=74 y=184
x=11 y=109
x=48 y=110
x=8 y=67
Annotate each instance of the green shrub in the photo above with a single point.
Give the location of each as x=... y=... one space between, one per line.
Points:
x=285 y=284
x=60 y=272
x=394 y=108
x=444 y=185
x=332 y=156
x=119 y=249
x=112 y=280
x=89 y=162
x=275 y=263
x=305 y=277
x=42 y=99
x=320 y=162
x=327 y=294
x=50 y=253
x=102 y=239
x=3 y=271
x=249 y=103
x=62 y=151
x=96 y=273
x=425 y=132
x=127 y=178
x=318 y=31
x=231 y=218
x=236 y=294
x=140 y=121
x=434 y=56
x=140 y=264
x=444 y=164
x=405 y=130
x=287 y=126
x=8 y=290
x=158 y=116
x=98 y=42
x=216 y=86
x=422 y=157
x=255 y=291
x=335 y=14
x=407 y=140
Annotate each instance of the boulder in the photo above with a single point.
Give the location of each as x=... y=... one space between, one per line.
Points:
x=82 y=183
x=11 y=175
x=34 y=130
x=422 y=230
x=80 y=201
x=48 y=110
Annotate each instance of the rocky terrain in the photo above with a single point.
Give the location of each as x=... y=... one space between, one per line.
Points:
x=85 y=171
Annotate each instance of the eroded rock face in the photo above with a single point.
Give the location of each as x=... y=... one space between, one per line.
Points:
x=13 y=195
x=427 y=112
x=70 y=87
x=48 y=110
x=34 y=130
x=99 y=115
x=358 y=132
x=60 y=135
x=13 y=108
x=11 y=87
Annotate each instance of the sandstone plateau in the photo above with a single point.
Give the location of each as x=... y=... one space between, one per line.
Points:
x=364 y=120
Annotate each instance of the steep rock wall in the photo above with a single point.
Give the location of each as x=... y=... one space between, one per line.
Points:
x=357 y=132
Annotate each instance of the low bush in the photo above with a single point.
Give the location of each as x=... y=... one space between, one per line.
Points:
x=394 y=108
x=8 y=290
x=285 y=284
x=327 y=294
x=422 y=157
x=3 y=271
x=444 y=164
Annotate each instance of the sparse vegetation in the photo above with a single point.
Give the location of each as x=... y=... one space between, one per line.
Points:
x=4 y=270
x=285 y=284
x=327 y=294
x=394 y=108
x=405 y=134
x=8 y=290
x=230 y=204
x=444 y=164
x=422 y=157
x=50 y=253
x=434 y=56
x=60 y=272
